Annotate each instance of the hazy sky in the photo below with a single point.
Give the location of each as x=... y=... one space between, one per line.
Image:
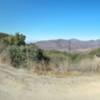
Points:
x=51 y=19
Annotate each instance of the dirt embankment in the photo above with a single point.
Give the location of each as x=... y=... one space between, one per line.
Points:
x=23 y=85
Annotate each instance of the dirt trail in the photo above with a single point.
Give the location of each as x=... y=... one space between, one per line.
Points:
x=22 y=85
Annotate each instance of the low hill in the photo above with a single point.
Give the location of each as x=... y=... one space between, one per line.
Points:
x=3 y=45
x=2 y=35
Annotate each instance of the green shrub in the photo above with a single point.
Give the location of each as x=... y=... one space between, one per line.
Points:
x=18 y=57
x=17 y=39
x=42 y=60
x=22 y=56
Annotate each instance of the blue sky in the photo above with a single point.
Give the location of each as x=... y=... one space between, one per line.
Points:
x=51 y=19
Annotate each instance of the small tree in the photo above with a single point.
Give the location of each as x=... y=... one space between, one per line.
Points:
x=19 y=39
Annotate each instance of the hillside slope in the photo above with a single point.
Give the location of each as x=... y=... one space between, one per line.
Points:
x=19 y=84
x=2 y=35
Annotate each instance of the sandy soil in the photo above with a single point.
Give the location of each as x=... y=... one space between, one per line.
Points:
x=22 y=85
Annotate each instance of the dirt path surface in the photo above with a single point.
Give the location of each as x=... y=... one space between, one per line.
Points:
x=22 y=85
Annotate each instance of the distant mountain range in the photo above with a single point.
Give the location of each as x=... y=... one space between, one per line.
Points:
x=72 y=45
